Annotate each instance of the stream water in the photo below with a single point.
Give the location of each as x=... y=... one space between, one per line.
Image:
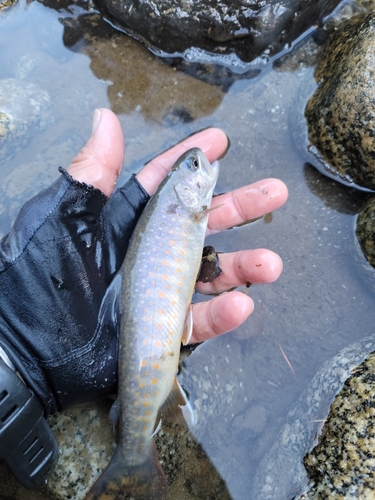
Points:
x=317 y=307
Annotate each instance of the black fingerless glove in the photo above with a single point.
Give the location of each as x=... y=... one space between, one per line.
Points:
x=55 y=267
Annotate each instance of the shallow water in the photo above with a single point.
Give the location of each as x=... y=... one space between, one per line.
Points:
x=318 y=306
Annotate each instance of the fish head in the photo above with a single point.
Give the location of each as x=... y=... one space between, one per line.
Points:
x=194 y=179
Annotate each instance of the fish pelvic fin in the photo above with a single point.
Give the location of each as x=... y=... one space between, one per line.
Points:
x=145 y=481
x=177 y=408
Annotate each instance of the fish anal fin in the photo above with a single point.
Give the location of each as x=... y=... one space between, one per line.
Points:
x=188 y=327
x=177 y=408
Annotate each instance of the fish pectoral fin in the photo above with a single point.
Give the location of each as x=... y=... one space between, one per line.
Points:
x=199 y=215
x=114 y=412
x=188 y=326
x=177 y=408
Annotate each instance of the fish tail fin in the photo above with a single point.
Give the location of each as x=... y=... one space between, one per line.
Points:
x=145 y=481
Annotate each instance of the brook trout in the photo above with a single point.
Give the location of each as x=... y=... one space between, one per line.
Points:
x=158 y=279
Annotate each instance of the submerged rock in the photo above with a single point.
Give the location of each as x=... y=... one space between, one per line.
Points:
x=282 y=473
x=340 y=115
x=365 y=230
x=242 y=28
x=342 y=465
x=22 y=107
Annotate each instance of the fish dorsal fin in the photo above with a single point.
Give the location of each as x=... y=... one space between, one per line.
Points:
x=176 y=408
x=188 y=327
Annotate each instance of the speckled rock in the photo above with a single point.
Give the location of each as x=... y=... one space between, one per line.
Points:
x=340 y=114
x=281 y=473
x=363 y=248
x=342 y=465
x=86 y=440
x=231 y=31
x=23 y=106
x=365 y=230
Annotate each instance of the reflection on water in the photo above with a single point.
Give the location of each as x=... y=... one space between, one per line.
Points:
x=241 y=385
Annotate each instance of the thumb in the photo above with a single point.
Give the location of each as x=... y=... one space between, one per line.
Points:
x=99 y=162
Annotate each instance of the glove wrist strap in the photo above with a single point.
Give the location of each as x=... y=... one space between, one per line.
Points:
x=27 y=444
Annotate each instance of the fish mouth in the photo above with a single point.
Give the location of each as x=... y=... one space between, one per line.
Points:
x=212 y=169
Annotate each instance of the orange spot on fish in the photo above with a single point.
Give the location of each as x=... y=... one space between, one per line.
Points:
x=165 y=277
x=172 y=243
x=164 y=263
x=141 y=385
x=182 y=252
x=147 y=395
x=150 y=274
x=144 y=363
x=157 y=343
x=147 y=412
x=167 y=252
x=154 y=381
x=161 y=295
x=148 y=291
x=156 y=366
x=144 y=341
x=178 y=270
x=146 y=403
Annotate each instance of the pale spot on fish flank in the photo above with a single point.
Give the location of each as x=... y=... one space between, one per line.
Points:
x=164 y=263
x=167 y=252
x=158 y=343
x=161 y=295
x=148 y=291
x=172 y=243
x=165 y=277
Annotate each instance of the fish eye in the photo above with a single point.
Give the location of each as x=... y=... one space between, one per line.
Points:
x=192 y=164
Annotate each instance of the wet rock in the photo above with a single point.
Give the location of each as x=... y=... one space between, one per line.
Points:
x=282 y=474
x=86 y=440
x=342 y=465
x=365 y=230
x=224 y=29
x=364 y=243
x=340 y=114
x=23 y=106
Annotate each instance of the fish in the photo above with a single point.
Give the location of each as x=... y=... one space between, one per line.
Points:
x=158 y=277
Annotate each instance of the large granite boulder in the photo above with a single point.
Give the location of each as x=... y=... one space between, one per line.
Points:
x=341 y=115
x=246 y=28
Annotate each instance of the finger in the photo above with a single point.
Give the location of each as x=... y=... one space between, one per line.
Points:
x=248 y=266
x=220 y=315
x=99 y=162
x=213 y=142
x=246 y=203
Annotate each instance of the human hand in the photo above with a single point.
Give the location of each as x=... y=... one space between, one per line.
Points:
x=68 y=243
x=100 y=165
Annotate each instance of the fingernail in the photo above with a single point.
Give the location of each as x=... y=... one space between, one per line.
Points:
x=96 y=120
